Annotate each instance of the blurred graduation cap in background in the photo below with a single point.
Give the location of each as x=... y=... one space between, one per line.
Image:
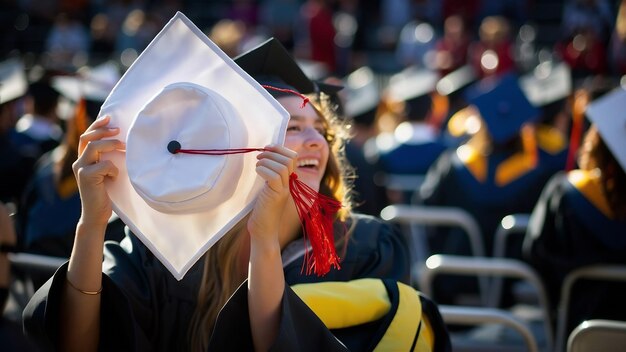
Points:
x=502 y=106
x=454 y=82
x=272 y=65
x=549 y=82
x=411 y=83
x=13 y=81
x=413 y=86
x=547 y=87
x=314 y=70
x=91 y=84
x=607 y=113
x=362 y=96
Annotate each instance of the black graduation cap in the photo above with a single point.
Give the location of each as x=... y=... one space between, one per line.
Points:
x=271 y=64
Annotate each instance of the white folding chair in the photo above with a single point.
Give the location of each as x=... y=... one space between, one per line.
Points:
x=511 y=225
x=473 y=266
x=415 y=217
x=592 y=272
x=403 y=183
x=28 y=264
x=475 y=316
x=598 y=335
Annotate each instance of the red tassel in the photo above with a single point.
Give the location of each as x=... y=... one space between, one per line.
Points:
x=316 y=212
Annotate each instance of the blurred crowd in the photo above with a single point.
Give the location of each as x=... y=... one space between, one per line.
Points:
x=477 y=104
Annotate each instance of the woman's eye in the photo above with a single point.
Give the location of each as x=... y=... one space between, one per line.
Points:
x=293 y=128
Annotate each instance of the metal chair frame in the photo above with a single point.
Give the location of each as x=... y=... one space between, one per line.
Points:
x=597 y=335
x=461 y=315
x=592 y=272
x=459 y=265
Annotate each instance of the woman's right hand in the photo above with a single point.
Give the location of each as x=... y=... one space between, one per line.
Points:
x=91 y=172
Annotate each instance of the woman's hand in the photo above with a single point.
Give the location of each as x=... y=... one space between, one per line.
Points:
x=274 y=166
x=90 y=171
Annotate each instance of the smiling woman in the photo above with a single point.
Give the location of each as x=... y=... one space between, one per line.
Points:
x=143 y=307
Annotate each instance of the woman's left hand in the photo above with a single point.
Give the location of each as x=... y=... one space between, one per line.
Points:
x=275 y=165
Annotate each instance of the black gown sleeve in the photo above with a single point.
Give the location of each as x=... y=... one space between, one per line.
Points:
x=299 y=330
x=41 y=317
x=143 y=307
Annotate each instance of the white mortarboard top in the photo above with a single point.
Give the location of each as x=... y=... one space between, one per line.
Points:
x=412 y=82
x=13 y=82
x=607 y=113
x=184 y=88
x=93 y=84
x=547 y=83
x=457 y=80
x=362 y=92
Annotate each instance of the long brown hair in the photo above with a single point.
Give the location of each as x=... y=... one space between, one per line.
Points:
x=220 y=278
x=222 y=272
x=594 y=154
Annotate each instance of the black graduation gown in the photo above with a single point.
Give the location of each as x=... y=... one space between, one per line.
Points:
x=369 y=198
x=567 y=231
x=453 y=182
x=301 y=330
x=450 y=182
x=144 y=308
x=411 y=158
x=48 y=220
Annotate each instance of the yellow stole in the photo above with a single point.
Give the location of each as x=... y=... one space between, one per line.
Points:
x=351 y=303
x=588 y=183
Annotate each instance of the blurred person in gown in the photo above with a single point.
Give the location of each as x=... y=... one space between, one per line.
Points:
x=497 y=172
x=361 y=97
x=18 y=152
x=580 y=218
x=406 y=155
x=51 y=202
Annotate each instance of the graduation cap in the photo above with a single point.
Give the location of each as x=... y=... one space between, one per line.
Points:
x=362 y=95
x=607 y=113
x=270 y=64
x=412 y=83
x=315 y=70
x=13 y=82
x=414 y=87
x=184 y=89
x=91 y=84
x=455 y=81
x=548 y=83
x=503 y=106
